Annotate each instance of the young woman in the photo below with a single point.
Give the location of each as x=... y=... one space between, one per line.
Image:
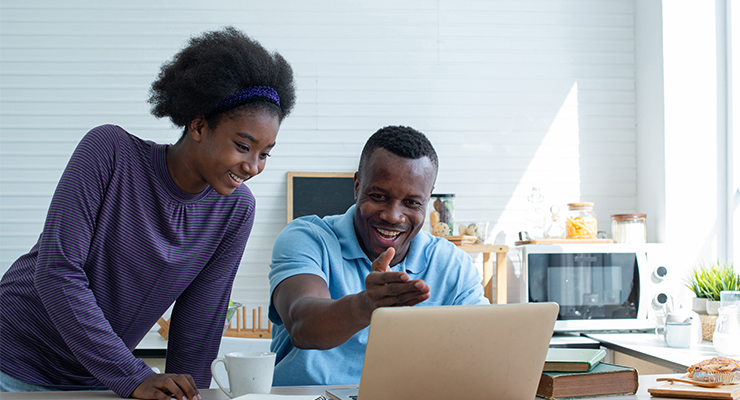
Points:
x=134 y=226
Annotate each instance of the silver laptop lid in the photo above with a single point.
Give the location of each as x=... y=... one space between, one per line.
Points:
x=445 y=352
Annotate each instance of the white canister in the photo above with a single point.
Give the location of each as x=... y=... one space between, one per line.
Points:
x=629 y=228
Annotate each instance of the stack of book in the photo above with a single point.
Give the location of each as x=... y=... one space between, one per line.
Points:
x=582 y=373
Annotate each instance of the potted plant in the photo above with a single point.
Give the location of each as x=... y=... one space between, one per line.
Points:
x=708 y=281
x=696 y=283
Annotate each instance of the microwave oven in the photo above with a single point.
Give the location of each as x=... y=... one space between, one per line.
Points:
x=599 y=287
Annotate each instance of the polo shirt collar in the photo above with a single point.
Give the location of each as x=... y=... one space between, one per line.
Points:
x=345 y=231
x=414 y=262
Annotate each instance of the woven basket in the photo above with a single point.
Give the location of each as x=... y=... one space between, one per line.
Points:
x=707 y=326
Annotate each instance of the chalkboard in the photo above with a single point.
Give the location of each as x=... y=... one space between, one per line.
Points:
x=319 y=193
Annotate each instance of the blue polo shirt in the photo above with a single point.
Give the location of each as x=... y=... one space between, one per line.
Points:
x=328 y=247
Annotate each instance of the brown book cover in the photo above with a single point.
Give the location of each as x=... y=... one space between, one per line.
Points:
x=603 y=380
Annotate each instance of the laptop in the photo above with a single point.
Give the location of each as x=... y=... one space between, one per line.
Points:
x=449 y=352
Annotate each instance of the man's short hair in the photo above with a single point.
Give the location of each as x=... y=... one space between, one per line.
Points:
x=402 y=141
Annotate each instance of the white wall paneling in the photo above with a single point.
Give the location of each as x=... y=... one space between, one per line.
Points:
x=513 y=94
x=733 y=113
x=695 y=101
x=685 y=141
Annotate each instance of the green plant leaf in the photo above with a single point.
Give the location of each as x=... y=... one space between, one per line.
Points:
x=708 y=280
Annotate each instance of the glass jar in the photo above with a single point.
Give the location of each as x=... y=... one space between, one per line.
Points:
x=556 y=230
x=536 y=214
x=442 y=214
x=581 y=221
x=629 y=228
x=726 y=338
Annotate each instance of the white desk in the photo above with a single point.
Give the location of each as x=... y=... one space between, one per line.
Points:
x=646 y=381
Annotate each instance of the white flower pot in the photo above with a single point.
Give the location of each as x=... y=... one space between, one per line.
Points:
x=713 y=307
x=699 y=305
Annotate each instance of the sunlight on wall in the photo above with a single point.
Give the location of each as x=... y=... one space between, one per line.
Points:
x=555 y=167
x=734 y=128
x=695 y=169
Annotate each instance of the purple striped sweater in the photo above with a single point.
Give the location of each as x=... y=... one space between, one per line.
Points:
x=121 y=243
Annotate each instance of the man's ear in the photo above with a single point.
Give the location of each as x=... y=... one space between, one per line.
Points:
x=196 y=128
x=357 y=185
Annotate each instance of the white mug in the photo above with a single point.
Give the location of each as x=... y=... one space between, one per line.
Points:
x=248 y=372
x=675 y=334
x=685 y=315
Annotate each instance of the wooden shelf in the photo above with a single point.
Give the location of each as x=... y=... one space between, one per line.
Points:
x=501 y=283
x=562 y=241
x=242 y=330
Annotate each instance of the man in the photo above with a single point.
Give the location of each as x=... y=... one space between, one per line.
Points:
x=329 y=274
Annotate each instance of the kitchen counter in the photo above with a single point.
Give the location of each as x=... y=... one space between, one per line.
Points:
x=644 y=346
x=648 y=347
x=152 y=346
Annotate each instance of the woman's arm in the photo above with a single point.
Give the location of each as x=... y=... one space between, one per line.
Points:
x=60 y=278
x=198 y=318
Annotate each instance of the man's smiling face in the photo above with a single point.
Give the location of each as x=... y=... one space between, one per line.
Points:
x=392 y=194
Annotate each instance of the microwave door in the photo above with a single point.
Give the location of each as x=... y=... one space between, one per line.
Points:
x=595 y=290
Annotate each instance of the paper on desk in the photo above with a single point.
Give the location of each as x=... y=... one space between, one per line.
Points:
x=252 y=396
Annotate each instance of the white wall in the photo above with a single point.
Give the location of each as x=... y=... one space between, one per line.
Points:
x=695 y=135
x=513 y=94
x=685 y=147
x=733 y=110
x=651 y=156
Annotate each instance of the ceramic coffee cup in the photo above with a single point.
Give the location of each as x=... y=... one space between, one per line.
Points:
x=675 y=334
x=685 y=315
x=248 y=372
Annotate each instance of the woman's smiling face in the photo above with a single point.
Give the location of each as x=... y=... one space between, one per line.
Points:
x=392 y=194
x=236 y=150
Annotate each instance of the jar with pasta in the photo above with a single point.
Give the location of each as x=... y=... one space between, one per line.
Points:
x=581 y=222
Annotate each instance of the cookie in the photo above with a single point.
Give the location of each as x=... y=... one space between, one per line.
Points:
x=434 y=218
x=440 y=229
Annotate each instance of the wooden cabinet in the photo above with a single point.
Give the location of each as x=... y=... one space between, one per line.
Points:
x=488 y=251
x=642 y=366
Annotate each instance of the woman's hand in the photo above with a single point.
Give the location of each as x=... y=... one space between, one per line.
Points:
x=167 y=386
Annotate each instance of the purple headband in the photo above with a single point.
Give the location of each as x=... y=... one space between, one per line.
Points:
x=255 y=91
